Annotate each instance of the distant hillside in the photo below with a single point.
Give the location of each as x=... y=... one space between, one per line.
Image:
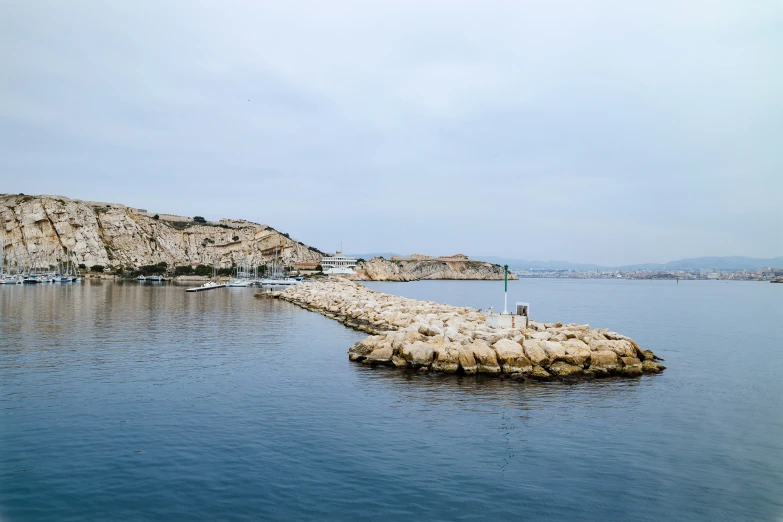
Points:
x=722 y=263
x=111 y=234
x=524 y=264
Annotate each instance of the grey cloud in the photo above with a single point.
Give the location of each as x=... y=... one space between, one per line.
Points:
x=607 y=132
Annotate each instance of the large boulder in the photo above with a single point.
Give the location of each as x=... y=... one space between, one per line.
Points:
x=593 y=335
x=540 y=374
x=511 y=357
x=360 y=350
x=466 y=359
x=535 y=352
x=553 y=350
x=399 y=361
x=631 y=366
x=430 y=330
x=446 y=358
x=622 y=348
x=486 y=358
x=417 y=354
x=563 y=369
x=577 y=352
x=649 y=366
x=452 y=333
x=407 y=336
x=491 y=337
x=540 y=336
x=382 y=354
x=604 y=362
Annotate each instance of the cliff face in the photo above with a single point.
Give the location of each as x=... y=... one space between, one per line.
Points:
x=380 y=269
x=116 y=235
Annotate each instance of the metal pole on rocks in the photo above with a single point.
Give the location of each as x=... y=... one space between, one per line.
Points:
x=505 y=290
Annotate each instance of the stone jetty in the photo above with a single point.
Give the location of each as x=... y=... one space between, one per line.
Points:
x=429 y=336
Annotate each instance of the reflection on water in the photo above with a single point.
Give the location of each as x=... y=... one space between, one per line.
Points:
x=137 y=402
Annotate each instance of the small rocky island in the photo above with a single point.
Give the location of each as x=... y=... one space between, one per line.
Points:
x=428 y=336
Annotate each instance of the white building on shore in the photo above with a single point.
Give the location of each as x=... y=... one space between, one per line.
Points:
x=338 y=264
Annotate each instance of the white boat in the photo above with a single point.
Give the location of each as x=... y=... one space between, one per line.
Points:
x=338 y=264
x=156 y=279
x=8 y=279
x=240 y=283
x=209 y=285
x=279 y=283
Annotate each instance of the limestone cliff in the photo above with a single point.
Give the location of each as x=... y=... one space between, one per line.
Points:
x=380 y=269
x=116 y=235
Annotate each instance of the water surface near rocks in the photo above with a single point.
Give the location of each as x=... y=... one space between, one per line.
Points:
x=138 y=402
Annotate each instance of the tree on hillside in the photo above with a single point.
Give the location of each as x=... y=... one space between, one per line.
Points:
x=183 y=270
x=199 y=219
x=203 y=270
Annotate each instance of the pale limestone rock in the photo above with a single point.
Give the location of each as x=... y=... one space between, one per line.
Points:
x=430 y=330
x=417 y=354
x=535 y=352
x=649 y=366
x=593 y=335
x=363 y=348
x=398 y=361
x=563 y=369
x=540 y=374
x=380 y=269
x=578 y=351
x=553 y=350
x=380 y=355
x=491 y=337
x=116 y=235
x=541 y=336
x=511 y=357
x=604 y=362
x=466 y=359
x=621 y=348
x=631 y=366
x=446 y=358
x=486 y=358
x=451 y=333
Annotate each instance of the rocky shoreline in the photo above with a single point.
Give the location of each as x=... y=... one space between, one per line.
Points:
x=429 y=336
x=380 y=269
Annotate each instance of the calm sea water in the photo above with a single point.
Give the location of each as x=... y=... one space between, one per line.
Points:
x=131 y=402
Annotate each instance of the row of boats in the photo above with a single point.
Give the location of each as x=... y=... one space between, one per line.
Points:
x=267 y=283
x=27 y=279
x=247 y=276
x=43 y=267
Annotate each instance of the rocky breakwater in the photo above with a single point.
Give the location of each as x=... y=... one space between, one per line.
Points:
x=428 y=336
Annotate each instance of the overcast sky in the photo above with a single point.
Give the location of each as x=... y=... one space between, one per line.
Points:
x=590 y=131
